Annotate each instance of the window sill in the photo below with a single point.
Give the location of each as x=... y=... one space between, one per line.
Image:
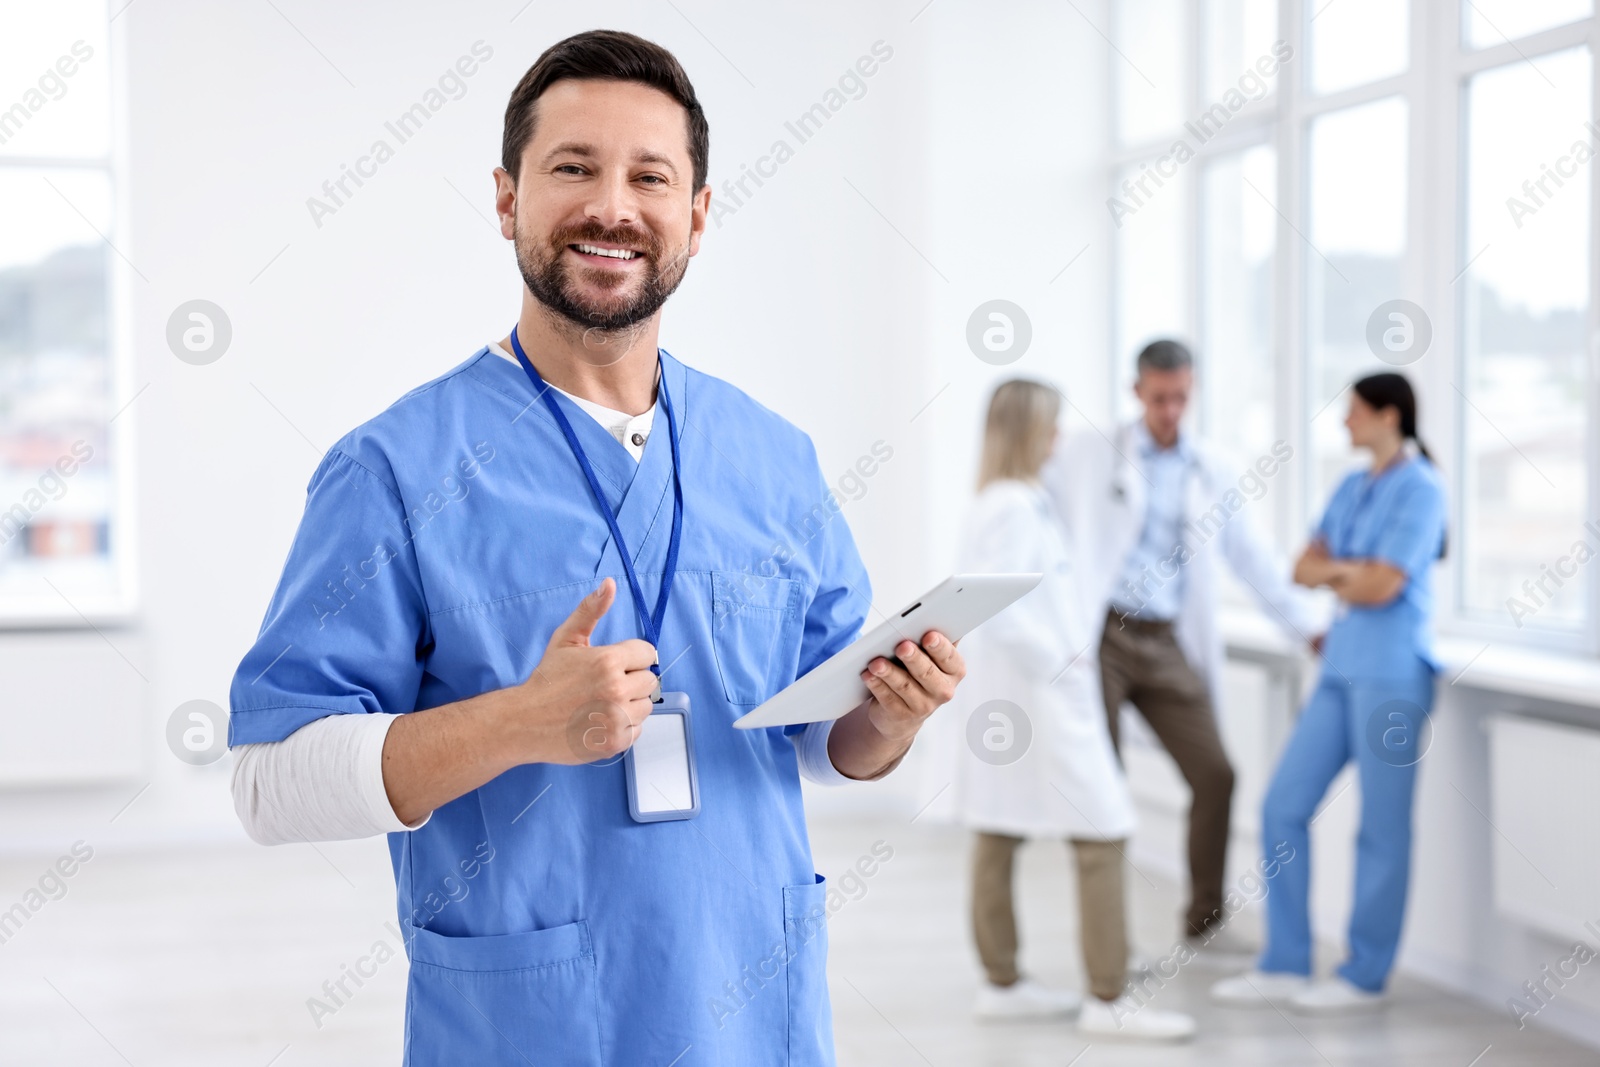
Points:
x=1562 y=677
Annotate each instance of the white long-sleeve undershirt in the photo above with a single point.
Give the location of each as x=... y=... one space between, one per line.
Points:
x=324 y=782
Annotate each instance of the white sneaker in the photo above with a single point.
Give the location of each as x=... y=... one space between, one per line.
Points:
x=1129 y=1020
x=1257 y=989
x=1222 y=950
x=1024 y=999
x=1335 y=996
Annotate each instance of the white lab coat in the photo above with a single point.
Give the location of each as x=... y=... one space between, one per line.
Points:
x=1037 y=655
x=1101 y=497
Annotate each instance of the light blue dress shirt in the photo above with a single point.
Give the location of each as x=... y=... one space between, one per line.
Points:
x=1141 y=590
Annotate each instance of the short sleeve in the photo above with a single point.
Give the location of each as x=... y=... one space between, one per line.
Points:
x=838 y=610
x=345 y=629
x=1411 y=532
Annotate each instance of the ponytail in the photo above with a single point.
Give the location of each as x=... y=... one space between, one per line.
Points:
x=1390 y=390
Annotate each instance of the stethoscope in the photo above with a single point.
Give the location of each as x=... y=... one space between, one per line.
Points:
x=1119 y=473
x=1364 y=495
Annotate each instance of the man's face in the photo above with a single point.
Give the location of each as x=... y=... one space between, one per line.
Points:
x=1165 y=396
x=603 y=215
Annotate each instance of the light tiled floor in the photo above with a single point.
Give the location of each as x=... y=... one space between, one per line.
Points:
x=903 y=974
x=207 y=956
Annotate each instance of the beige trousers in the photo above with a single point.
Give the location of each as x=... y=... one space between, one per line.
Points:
x=1102 y=915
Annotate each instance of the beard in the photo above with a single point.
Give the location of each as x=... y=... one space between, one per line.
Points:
x=549 y=277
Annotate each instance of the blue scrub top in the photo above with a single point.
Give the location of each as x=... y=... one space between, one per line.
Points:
x=442 y=543
x=1396 y=517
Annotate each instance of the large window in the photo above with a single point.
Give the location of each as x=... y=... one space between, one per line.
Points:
x=1193 y=203
x=1234 y=34
x=1356 y=42
x=1415 y=171
x=1354 y=255
x=1492 y=22
x=1152 y=269
x=1150 y=81
x=1524 y=328
x=62 y=550
x=1238 y=232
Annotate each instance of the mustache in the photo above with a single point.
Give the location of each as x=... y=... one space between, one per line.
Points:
x=591 y=232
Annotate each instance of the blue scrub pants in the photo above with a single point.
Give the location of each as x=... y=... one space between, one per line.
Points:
x=1381 y=725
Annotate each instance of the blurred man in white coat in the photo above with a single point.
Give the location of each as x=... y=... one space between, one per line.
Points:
x=1151 y=513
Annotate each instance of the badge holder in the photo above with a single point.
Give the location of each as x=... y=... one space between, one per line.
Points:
x=663 y=783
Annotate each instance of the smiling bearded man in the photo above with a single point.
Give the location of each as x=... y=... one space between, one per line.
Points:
x=477 y=691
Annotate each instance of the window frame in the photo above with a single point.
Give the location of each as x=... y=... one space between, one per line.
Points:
x=121 y=606
x=1434 y=87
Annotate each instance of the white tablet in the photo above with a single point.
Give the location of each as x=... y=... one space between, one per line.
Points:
x=955 y=607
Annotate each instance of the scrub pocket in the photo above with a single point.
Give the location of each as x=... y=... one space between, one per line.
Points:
x=755 y=629
x=509 y=998
x=805 y=942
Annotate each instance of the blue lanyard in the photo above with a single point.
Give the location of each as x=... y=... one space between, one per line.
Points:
x=649 y=622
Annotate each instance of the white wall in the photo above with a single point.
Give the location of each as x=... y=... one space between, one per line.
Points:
x=1015 y=127
x=1455 y=934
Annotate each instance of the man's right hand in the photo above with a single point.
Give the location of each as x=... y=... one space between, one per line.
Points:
x=584 y=702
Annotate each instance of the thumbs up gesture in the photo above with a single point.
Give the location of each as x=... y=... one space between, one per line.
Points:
x=584 y=702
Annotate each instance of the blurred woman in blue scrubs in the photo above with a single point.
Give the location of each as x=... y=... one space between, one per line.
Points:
x=1375 y=548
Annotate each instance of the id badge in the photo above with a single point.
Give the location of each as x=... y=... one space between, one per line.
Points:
x=662 y=781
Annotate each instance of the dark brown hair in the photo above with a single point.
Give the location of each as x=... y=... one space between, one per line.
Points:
x=1389 y=390
x=604 y=54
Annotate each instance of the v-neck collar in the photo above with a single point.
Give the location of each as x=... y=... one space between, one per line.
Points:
x=640 y=492
x=647 y=512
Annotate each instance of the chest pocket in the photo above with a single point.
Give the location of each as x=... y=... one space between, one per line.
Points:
x=756 y=628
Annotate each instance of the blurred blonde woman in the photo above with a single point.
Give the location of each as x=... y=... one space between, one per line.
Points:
x=1034 y=758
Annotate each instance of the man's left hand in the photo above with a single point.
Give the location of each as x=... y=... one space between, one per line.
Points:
x=904 y=696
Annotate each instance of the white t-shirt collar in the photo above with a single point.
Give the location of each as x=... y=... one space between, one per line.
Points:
x=631 y=431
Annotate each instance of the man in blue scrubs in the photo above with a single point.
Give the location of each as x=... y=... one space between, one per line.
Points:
x=456 y=580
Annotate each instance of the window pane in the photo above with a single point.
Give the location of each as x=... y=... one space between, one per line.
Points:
x=55 y=99
x=1491 y=22
x=1151 y=272
x=1357 y=41
x=1357 y=229
x=55 y=388
x=1151 y=70
x=1524 y=307
x=1237 y=35
x=1238 y=236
